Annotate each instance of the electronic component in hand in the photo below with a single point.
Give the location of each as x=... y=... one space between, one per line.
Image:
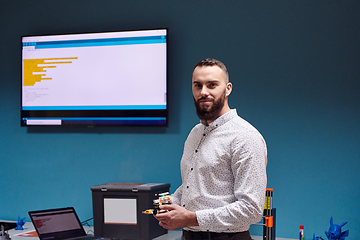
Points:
x=163 y=199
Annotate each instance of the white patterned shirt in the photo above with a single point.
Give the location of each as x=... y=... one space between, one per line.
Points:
x=223 y=171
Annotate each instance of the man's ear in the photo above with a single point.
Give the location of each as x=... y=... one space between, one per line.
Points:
x=228 y=88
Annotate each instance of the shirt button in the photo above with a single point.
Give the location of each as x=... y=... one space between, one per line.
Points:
x=191 y=169
x=204 y=134
x=196 y=150
x=187 y=186
x=184 y=205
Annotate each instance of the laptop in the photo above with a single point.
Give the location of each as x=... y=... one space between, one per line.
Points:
x=60 y=223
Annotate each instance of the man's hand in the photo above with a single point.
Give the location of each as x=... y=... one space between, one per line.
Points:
x=176 y=217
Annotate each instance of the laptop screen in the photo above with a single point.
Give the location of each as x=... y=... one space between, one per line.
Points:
x=57 y=223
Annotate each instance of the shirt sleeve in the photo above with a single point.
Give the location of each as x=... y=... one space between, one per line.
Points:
x=248 y=164
x=176 y=196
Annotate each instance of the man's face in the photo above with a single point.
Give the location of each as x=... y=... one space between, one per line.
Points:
x=210 y=89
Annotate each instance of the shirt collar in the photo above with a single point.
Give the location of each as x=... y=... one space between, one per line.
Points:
x=221 y=120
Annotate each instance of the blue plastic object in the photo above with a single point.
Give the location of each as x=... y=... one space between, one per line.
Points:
x=317 y=238
x=335 y=231
x=20 y=223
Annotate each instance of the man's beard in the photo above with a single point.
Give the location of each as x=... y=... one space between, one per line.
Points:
x=210 y=113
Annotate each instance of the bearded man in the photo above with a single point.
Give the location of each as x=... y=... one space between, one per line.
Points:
x=223 y=167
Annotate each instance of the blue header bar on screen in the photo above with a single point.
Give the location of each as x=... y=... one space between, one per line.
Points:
x=97 y=118
x=98 y=42
x=137 y=107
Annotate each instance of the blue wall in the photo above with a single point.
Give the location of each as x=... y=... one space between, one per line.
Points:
x=295 y=70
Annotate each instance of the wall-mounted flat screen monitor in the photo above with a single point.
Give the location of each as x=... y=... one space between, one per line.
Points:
x=93 y=79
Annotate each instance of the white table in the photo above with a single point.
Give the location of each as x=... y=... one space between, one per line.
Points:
x=171 y=235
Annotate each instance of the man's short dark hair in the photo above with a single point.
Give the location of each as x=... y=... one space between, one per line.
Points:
x=209 y=62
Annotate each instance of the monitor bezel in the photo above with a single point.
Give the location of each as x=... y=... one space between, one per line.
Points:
x=89 y=123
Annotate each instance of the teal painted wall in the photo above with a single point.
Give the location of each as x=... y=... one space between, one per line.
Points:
x=295 y=70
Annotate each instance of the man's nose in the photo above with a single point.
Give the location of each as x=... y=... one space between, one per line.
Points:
x=204 y=91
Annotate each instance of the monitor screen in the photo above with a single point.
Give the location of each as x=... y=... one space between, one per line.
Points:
x=93 y=79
